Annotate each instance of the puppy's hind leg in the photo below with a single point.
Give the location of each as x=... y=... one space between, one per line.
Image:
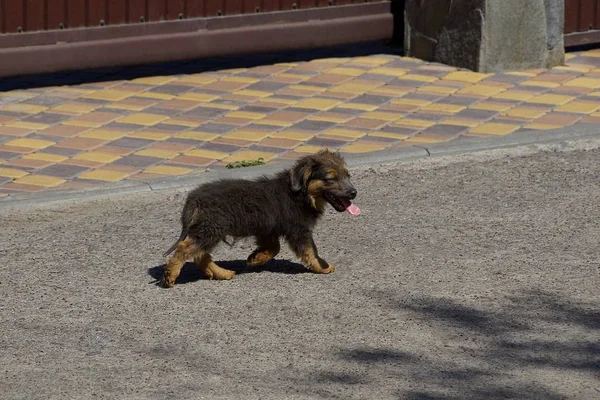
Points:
x=305 y=248
x=268 y=248
x=210 y=269
x=183 y=252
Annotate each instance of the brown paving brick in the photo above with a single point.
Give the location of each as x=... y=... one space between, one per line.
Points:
x=172 y=89
x=320 y=142
x=81 y=143
x=83 y=163
x=555 y=77
x=365 y=123
x=430 y=116
x=137 y=103
x=63 y=151
x=121 y=168
x=6 y=130
x=121 y=151
x=590 y=120
x=476 y=114
x=234 y=142
x=222 y=147
x=8 y=155
x=558 y=118
x=63 y=171
x=188 y=160
x=6 y=118
x=16 y=149
x=288 y=116
x=279 y=142
x=298 y=92
x=131 y=143
x=233 y=121
x=22 y=162
x=505 y=119
x=441 y=129
x=98 y=117
x=181 y=105
x=313 y=126
x=224 y=86
x=71 y=186
x=331 y=79
x=572 y=90
x=139 y=162
x=20 y=187
x=401 y=108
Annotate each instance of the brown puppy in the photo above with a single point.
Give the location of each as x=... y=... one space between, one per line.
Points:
x=287 y=206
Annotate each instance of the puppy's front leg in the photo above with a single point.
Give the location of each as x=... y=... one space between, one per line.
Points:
x=306 y=250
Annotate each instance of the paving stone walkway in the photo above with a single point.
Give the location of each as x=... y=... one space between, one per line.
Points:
x=109 y=130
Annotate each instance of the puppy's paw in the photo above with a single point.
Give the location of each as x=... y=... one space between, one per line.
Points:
x=327 y=270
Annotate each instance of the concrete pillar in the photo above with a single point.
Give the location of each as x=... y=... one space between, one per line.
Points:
x=486 y=35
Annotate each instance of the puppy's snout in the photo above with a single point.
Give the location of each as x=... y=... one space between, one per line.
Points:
x=352 y=192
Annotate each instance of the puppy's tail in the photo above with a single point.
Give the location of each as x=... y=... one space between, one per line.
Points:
x=181 y=237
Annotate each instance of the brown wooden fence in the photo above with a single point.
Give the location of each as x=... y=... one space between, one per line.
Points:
x=36 y=15
x=582 y=22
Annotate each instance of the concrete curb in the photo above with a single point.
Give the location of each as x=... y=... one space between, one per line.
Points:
x=465 y=144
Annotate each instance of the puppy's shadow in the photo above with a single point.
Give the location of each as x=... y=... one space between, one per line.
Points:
x=191 y=273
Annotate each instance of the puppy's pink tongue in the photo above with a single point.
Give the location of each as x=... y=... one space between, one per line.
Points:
x=352 y=209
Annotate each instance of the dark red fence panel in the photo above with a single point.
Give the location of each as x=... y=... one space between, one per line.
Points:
x=582 y=15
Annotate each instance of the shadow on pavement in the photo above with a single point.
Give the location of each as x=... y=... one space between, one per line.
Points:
x=522 y=349
x=191 y=273
x=72 y=78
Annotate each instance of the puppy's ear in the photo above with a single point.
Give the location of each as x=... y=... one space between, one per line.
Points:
x=300 y=173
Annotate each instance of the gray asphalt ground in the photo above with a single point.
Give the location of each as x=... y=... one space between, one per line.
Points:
x=466 y=277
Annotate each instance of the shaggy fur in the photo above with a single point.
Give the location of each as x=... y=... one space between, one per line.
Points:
x=286 y=206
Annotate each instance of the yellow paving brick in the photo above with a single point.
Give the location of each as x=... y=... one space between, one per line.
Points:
x=419 y=138
x=347 y=71
x=245 y=115
x=181 y=122
x=154 y=80
x=27 y=125
x=388 y=71
x=250 y=155
x=345 y=133
x=204 y=136
x=79 y=108
x=104 y=175
x=461 y=122
x=281 y=101
x=102 y=134
x=362 y=148
x=592 y=53
x=359 y=106
x=354 y=88
x=482 y=90
x=465 y=76
x=167 y=155
x=521 y=73
x=492 y=128
x=419 y=78
x=317 y=104
x=40 y=180
x=389 y=90
x=85 y=124
x=371 y=60
x=213 y=155
x=414 y=123
x=526 y=112
x=580 y=107
x=112 y=95
x=197 y=97
x=12 y=173
x=309 y=88
x=240 y=79
x=584 y=82
x=293 y=76
x=544 y=84
x=411 y=102
x=23 y=108
x=305 y=148
x=447 y=108
x=302 y=136
x=437 y=89
x=200 y=79
x=253 y=136
x=384 y=116
x=514 y=95
x=142 y=119
x=149 y=135
x=552 y=99
x=491 y=106
x=253 y=93
x=543 y=126
x=154 y=95
x=97 y=156
x=45 y=157
x=274 y=122
x=30 y=143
